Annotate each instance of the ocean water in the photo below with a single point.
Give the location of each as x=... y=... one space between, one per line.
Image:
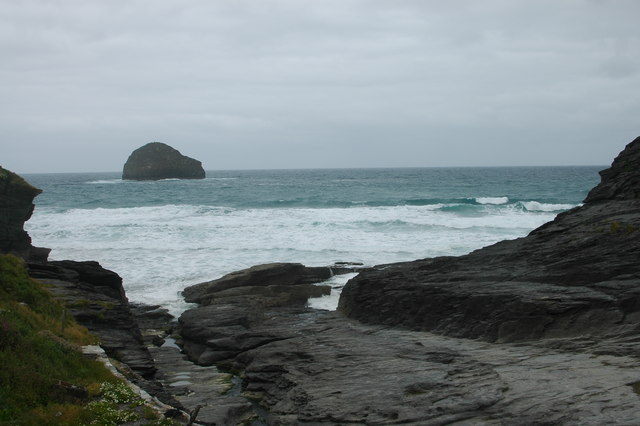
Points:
x=162 y=236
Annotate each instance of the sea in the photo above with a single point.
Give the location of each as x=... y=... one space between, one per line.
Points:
x=162 y=236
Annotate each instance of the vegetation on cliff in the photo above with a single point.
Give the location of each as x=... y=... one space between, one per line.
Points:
x=45 y=378
x=9 y=178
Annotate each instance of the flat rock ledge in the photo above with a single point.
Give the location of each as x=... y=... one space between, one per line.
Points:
x=315 y=367
x=338 y=371
x=231 y=306
x=293 y=280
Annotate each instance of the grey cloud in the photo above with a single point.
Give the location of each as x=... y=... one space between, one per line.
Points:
x=293 y=82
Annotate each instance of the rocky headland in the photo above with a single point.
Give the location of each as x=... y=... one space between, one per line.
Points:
x=574 y=277
x=157 y=160
x=541 y=330
x=16 y=207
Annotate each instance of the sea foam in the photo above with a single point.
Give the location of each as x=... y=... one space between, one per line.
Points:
x=536 y=206
x=159 y=250
x=162 y=236
x=492 y=200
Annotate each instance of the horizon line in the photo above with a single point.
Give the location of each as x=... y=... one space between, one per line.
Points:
x=337 y=168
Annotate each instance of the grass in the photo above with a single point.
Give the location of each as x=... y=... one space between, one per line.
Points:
x=42 y=365
x=616 y=227
x=9 y=178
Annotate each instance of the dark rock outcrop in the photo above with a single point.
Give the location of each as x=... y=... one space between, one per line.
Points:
x=231 y=306
x=578 y=275
x=266 y=276
x=622 y=180
x=16 y=207
x=96 y=299
x=333 y=370
x=157 y=160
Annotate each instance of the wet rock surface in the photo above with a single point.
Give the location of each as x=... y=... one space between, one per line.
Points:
x=205 y=389
x=234 y=305
x=368 y=375
x=208 y=395
x=322 y=368
x=263 y=282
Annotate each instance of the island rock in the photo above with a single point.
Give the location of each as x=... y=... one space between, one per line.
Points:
x=157 y=160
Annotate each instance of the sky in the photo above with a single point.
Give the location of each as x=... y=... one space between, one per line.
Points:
x=269 y=84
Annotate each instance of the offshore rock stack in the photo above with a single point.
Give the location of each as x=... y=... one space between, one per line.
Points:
x=157 y=160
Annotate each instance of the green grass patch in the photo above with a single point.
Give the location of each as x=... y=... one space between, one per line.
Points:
x=616 y=227
x=44 y=378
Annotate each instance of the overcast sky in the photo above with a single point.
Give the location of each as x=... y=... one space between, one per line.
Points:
x=252 y=84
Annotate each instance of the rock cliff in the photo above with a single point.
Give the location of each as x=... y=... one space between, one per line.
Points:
x=157 y=160
x=16 y=207
x=575 y=276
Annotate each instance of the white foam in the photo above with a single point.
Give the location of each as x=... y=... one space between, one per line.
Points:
x=492 y=200
x=330 y=301
x=103 y=182
x=535 y=206
x=160 y=250
x=221 y=178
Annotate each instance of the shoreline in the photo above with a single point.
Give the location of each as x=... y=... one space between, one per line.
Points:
x=438 y=340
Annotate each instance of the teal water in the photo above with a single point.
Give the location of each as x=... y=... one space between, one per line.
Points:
x=341 y=188
x=164 y=235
